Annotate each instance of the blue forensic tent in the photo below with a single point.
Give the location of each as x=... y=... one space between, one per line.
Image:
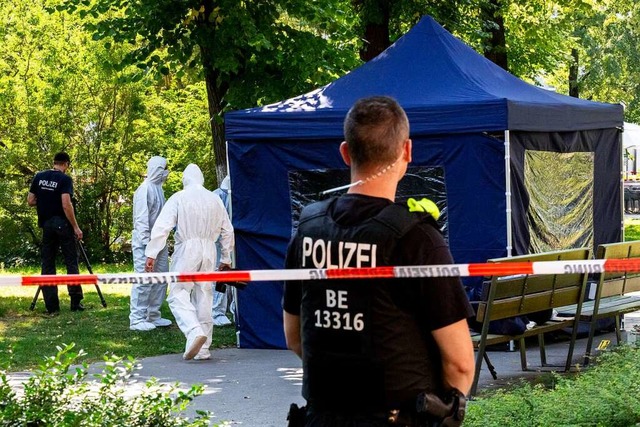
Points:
x=515 y=169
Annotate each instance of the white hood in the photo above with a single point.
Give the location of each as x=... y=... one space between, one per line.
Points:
x=225 y=185
x=156 y=170
x=192 y=175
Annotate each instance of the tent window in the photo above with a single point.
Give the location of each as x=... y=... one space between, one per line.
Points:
x=420 y=181
x=560 y=188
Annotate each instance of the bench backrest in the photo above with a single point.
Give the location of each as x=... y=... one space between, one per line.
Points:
x=618 y=283
x=509 y=296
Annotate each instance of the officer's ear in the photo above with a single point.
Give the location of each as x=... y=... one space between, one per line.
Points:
x=344 y=152
x=406 y=150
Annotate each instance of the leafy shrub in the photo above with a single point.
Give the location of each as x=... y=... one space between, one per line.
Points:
x=60 y=394
x=631 y=230
x=607 y=394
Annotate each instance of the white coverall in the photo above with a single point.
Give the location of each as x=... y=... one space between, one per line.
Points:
x=148 y=201
x=221 y=299
x=200 y=220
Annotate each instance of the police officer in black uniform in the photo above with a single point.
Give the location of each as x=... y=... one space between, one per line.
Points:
x=369 y=347
x=51 y=192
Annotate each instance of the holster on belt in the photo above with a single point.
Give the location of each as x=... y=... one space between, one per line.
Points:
x=449 y=412
x=296 y=416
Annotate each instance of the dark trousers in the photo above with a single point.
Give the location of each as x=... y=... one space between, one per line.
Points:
x=57 y=233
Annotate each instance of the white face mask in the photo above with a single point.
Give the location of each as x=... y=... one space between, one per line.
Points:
x=165 y=174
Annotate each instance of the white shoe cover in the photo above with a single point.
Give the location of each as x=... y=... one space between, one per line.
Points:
x=203 y=354
x=142 y=326
x=161 y=323
x=194 y=344
x=221 y=320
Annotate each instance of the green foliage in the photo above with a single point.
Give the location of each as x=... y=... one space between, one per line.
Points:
x=248 y=53
x=60 y=394
x=538 y=35
x=607 y=394
x=173 y=124
x=608 y=40
x=632 y=230
x=60 y=90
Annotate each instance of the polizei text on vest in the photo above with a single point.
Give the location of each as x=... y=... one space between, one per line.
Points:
x=321 y=253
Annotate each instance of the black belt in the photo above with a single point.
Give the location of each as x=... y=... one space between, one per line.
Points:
x=392 y=417
x=396 y=417
x=407 y=418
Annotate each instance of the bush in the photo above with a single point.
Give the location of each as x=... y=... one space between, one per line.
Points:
x=60 y=394
x=607 y=394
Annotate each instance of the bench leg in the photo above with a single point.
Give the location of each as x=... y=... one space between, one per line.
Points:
x=490 y=366
x=523 y=354
x=574 y=336
x=592 y=333
x=543 y=350
x=476 y=375
x=618 y=332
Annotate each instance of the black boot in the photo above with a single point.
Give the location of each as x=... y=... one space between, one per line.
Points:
x=77 y=306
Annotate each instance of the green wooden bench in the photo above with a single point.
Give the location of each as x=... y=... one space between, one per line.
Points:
x=517 y=295
x=612 y=297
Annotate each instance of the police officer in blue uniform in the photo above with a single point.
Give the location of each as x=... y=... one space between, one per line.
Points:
x=51 y=192
x=369 y=347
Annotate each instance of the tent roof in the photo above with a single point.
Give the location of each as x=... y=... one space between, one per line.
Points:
x=443 y=84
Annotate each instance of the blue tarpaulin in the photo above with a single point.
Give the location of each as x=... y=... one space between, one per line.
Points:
x=459 y=106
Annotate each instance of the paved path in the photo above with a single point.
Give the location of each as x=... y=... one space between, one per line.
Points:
x=244 y=387
x=254 y=388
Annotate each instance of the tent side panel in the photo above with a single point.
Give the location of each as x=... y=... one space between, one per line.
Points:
x=473 y=167
x=608 y=215
x=595 y=215
x=475 y=181
x=262 y=223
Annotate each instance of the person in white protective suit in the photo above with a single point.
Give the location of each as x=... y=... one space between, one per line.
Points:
x=200 y=220
x=148 y=200
x=222 y=300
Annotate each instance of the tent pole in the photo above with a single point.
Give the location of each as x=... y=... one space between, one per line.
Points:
x=507 y=194
x=230 y=211
x=234 y=292
x=624 y=174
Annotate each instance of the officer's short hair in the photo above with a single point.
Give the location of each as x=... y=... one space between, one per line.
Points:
x=61 y=158
x=375 y=129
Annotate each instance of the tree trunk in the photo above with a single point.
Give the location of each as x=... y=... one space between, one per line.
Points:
x=214 y=100
x=376 y=28
x=496 y=44
x=574 y=89
x=215 y=94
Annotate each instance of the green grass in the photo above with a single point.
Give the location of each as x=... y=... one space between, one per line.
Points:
x=32 y=335
x=606 y=394
x=632 y=229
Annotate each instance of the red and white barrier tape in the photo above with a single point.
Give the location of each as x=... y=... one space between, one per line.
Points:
x=445 y=270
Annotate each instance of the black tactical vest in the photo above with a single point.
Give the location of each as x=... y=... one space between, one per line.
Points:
x=342 y=371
